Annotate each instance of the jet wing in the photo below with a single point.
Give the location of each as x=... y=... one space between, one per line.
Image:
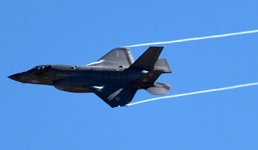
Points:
x=116 y=58
x=115 y=96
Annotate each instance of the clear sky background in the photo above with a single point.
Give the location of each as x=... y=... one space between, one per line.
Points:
x=80 y=32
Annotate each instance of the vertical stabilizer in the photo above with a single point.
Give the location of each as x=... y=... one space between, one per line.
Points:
x=159 y=88
x=162 y=64
x=147 y=79
x=148 y=59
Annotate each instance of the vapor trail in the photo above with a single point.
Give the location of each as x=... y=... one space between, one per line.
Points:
x=198 y=92
x=196 y=38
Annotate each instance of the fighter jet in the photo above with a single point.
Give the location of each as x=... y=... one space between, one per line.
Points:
x=115 y=77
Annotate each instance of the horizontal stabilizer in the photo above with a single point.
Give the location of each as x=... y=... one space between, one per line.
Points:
x=148 y=59
x=162 y=64
x=159 y=88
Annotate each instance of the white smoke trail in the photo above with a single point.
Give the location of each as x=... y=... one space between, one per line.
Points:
x=196 y=38
x=198 y=92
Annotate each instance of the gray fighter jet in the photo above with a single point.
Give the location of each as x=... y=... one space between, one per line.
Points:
x=115 y=77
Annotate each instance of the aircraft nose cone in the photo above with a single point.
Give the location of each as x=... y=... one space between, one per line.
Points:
x=15 y=77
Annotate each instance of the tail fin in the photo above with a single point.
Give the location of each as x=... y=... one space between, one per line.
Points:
x=159 y=88
x=162 y=64
x=147 y=79
x=148 y=59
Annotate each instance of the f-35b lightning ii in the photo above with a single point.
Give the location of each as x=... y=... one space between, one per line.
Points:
x=115 y=77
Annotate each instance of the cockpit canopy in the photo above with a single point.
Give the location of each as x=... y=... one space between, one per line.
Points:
x=40 y=70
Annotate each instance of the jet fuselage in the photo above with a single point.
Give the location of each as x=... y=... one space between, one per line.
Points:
x=115 y=77
x=79 y=79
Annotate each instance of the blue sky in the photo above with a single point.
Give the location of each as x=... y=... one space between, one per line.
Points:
x=80 y=32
